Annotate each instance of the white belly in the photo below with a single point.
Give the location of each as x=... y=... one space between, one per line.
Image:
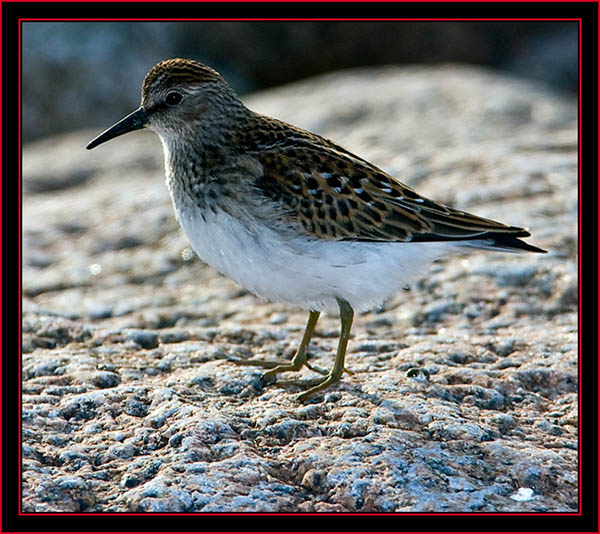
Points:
x=303 y=272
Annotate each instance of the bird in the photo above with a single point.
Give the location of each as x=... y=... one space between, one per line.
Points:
x=289 y=215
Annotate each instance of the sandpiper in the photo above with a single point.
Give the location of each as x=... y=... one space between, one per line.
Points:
x=289 y=215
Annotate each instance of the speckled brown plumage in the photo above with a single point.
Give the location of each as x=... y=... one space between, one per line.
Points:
x=179 y=72
x=289 y=215
x=336 y=195
x=329 y=192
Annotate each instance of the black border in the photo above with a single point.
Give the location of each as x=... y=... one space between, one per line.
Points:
x=587 y=11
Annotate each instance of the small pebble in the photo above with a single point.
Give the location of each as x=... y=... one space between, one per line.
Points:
x=418 y=373
x=144 y=338
x=524 y=494
x=278 y=318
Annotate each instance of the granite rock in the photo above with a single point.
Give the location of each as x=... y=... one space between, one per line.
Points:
x=130 y=402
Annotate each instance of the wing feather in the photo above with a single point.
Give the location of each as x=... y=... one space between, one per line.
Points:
x=335 y=195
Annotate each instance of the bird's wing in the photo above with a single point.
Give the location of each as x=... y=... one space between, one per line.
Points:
x=335 y=195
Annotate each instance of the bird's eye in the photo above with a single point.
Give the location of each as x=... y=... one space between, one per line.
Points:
x=173 y=98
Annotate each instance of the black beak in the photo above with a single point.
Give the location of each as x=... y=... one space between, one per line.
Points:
x=133 y=121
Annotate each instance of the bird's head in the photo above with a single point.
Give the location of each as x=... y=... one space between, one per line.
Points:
x=179 y=97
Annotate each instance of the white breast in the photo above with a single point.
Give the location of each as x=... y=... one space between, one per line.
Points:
x=308 y=273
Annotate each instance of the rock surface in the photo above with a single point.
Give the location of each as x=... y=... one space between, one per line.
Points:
x=465 y=388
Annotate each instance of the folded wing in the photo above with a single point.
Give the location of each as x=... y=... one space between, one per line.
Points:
x=335 y=195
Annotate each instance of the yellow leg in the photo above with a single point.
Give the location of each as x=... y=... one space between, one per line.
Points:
x=299 y=358
x=346 y=317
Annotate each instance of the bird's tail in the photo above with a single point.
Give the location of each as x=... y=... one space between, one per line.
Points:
x=502 y=242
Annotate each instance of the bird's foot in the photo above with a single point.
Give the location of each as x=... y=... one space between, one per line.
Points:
x=266 y=364
x=282 y=367
x=325 y=372
x=279 y=367
x=324 y=384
